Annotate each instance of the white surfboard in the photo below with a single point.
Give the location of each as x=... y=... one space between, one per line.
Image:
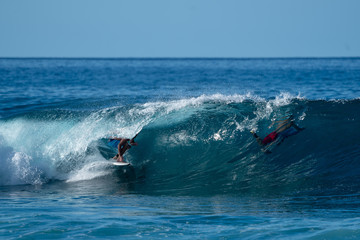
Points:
x=120 y=163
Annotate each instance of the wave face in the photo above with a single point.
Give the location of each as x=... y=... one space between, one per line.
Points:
x=196 y=145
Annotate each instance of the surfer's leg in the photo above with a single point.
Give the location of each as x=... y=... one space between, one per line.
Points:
x=120 y=158
x=121 y=146
x=122 y=151
x=124 y=148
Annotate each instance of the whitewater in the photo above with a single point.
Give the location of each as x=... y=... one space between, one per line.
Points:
x=197 y=168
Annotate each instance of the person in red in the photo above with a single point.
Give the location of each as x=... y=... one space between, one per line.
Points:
x=284 y=129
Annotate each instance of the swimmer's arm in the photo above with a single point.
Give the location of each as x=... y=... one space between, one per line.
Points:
x=283 y=121
x=276 y=122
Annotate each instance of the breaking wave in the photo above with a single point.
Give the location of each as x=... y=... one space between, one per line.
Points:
x=199 y=145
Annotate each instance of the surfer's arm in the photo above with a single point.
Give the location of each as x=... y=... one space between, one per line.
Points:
x=132 y=141
x=134 y=137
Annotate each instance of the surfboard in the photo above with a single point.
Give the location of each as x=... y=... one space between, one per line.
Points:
x=120 y=163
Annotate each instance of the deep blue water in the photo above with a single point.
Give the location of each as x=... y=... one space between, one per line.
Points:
x=197 y=171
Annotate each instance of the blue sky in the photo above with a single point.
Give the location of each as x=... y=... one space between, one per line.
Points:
x=174 y=28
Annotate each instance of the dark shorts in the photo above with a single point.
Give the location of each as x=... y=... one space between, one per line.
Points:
x=113 y=143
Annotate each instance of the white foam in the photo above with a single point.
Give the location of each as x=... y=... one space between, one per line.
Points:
x=90 y=171
x=180 y=138
x=18 y=168
x=174 y=105
x=24 y=171
x=284 y=99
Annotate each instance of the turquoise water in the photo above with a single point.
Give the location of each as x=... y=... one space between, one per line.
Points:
x=197 y=171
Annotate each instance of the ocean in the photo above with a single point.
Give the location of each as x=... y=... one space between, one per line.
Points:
x=197 y=172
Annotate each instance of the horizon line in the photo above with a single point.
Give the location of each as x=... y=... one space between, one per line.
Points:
x=189 y=58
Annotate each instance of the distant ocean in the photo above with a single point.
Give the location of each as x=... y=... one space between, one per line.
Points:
x=197 y=172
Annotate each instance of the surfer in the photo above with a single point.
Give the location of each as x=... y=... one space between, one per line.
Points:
x=284 y=129
x=122 y=144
